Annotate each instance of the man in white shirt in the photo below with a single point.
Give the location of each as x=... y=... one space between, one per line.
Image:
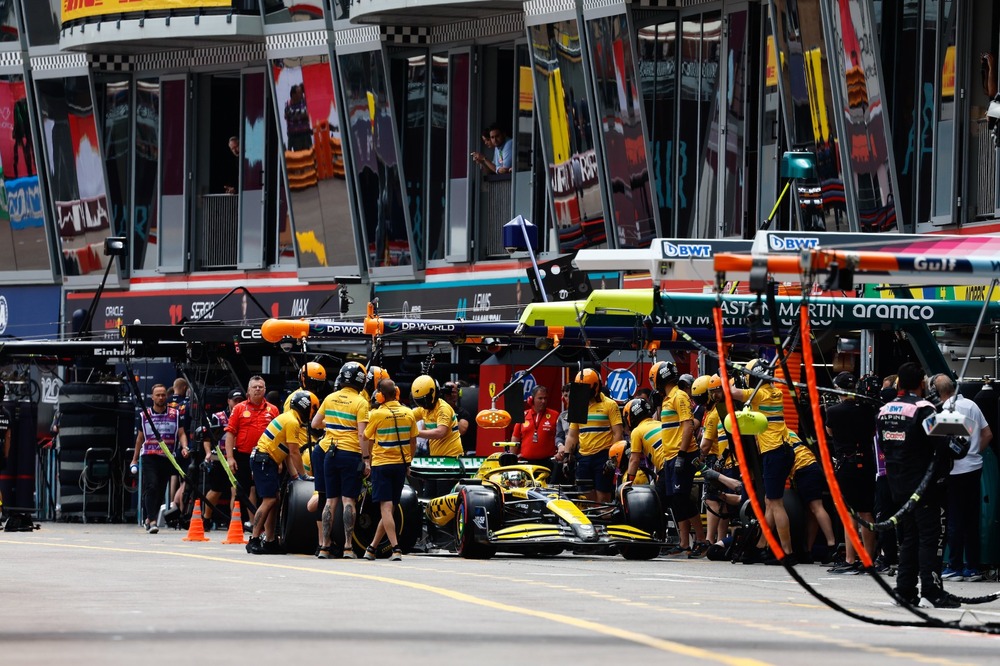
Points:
x=503 y=153
x=964 y=490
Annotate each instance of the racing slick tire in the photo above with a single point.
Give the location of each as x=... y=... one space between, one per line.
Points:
x=296 y=524
x=409 y=524
x=641 y=509
x=467 y=533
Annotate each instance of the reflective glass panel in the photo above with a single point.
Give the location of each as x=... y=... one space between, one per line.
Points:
x=409 y=77
x=866 y=137
x=376 y=165
x=567 y=134
x=43 y=20
x=22 y=218
x=437 y=181
x=281 y=11
x=810 y=112
x=912 y=136
x=8 y=21
x=733 y=166
x=114 y=100
x=618 y=102
x=76 y=172
x=657 y=45
x=147 y=148
x=944 y=148
x=698 y=126
x=314 y=161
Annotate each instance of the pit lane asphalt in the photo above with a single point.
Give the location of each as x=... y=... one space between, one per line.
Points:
x=112 y=594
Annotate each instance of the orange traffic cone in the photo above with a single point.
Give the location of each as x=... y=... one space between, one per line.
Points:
x=235 y=534
x=196 y=532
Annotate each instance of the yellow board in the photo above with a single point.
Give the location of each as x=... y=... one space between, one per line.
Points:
x=948 y=73
x=771 y=67
x=79 y=9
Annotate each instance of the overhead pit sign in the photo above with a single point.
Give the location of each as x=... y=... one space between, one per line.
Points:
x=73 y=10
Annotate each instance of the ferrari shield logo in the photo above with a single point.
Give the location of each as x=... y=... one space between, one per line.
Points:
x=493 y=389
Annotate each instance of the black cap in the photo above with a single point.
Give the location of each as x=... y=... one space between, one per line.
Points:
x=846 y=381
x=237 y=395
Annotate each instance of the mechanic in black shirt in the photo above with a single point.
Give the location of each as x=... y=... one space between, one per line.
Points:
x=909 y=453
x=851 y=425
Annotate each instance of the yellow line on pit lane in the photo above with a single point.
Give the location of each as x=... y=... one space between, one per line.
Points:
x=558 y=618
x=752 y=624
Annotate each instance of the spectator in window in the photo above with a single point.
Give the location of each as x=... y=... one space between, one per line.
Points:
x=234 y=148
x=503 y=153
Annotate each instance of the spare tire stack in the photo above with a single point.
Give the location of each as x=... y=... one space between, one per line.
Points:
x=89 y=418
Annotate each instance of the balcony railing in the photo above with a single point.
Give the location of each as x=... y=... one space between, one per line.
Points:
x=494 y=212
x=218 y=232
x=986 y=197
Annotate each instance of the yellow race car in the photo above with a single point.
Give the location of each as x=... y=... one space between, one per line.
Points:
x=510 y=507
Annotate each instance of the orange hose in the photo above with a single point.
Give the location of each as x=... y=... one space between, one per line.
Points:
x=838 y=498
x=772 y=543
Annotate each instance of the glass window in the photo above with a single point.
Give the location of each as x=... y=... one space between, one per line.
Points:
x=618 y=102
x=314 y=161
x=43 y=20
x=23 y=244
x=409 y=76
x=736 y=186
x=657 y=46
x=376 y=165
x=147 y=155
x=946 y=108
x=567 y=134
x=810 y=111
x=114 y=99
x=281 y=11
x=437 y=181
x=8 y=21
x=865 y=142
x=76 y=172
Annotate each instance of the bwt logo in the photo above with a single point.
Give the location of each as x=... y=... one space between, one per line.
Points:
x=791 y=243
x=686 y=251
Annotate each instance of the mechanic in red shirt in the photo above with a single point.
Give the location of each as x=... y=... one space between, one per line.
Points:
x=247 y=422
x=537 y=433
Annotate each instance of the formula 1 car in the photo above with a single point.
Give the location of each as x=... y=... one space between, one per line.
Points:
x=510 y=507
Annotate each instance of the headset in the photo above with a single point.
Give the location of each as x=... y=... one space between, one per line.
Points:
x=381 y=399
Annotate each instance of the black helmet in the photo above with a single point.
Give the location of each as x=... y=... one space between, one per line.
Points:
x=305 y=404
x=352 y=374
x=666 y=373
x=636 y=411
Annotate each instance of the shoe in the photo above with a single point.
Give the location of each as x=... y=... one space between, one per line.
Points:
x=272 y=547
x=322 y=553
x=788 y=560
x=828 y=556
x=753 y=556
x=253 y=545
x=146 y=526
x=153 y=529
x=699 y=550
x=397 y=555
x=349 y=554
x=911 y=597
x=677 y=550
x=951 y=574
x=370 y=554
x=846 y=569
x=971 y=575
x=884 y=568
x=940 y=599
x=207 y=524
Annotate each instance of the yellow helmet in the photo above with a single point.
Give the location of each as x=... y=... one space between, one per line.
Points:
x=424 y=391
x=700 y=386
